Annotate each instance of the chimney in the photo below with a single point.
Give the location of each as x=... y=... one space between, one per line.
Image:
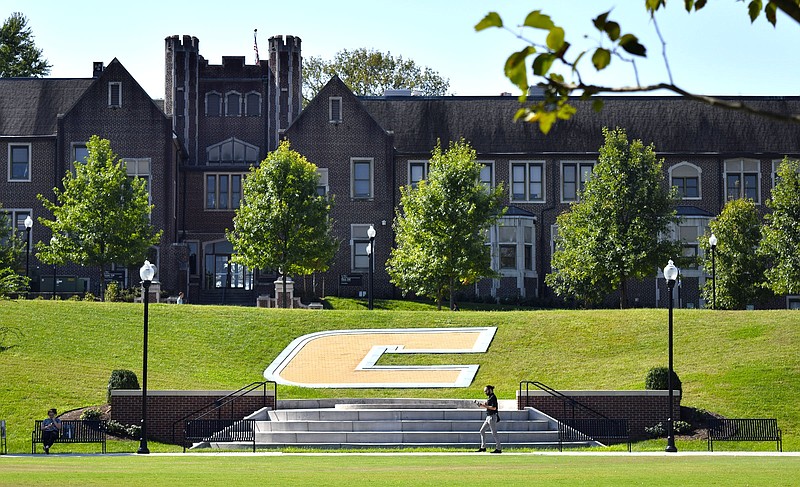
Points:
x=97 y=69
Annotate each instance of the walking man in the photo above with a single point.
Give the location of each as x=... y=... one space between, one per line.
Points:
x=492 y=417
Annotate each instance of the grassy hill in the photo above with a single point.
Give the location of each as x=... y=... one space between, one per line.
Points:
x=739 y=364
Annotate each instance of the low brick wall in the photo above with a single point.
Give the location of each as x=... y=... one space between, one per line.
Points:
x=641 y=408
x=166 y=407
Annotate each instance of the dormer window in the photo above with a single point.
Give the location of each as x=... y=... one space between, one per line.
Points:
x=114 y=94
x=335 y=109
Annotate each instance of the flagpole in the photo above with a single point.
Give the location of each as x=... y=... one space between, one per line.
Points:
x=255 y=45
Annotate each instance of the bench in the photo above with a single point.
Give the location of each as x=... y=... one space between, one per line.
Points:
x=74 y=431
x=744 y=430
x=593 y=429
x=3 y=445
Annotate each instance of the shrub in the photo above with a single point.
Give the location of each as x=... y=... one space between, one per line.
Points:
x=682 y=428
x=656 y=431
x=89 y=297
x=116 y=428
x=91 y=415
x=113 y=292
x=121 y=379
x=657 y=379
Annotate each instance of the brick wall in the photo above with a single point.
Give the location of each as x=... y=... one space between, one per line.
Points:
x=641 y=408
x=165 y=407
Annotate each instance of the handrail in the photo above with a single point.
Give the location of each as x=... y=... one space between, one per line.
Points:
x=218 y=404
x=564 y=399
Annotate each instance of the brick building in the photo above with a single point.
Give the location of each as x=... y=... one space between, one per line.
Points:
x=218 y=120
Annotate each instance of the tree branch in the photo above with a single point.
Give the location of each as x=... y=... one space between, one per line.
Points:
x=789 y=7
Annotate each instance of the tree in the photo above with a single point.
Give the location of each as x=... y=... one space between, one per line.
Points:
x=739 y=269
x=441 y=232
x=100 y=216
x=780 y=242
x=282 y=222
x=615 y=232
x=553 y=52
x=10 y=281
x=19 y=56
x=369 y=72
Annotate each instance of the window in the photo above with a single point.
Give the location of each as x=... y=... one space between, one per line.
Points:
x=232 y=151
x=487 y=174
x=358 y=248
x=19 y=167
x=80 y=154
x=335 y=109
x=115 y=94
x=741 y=179
x=233 y=104
x=508 y=247
x=213 y=104
x=515 y=244
x=139 y=168
x=220 y=272
x=322 y=182
x=527 y=181
x=688 y=235
x=223 y=191
x=180 y=102
x=417 y=171
x=686 y=178
x=253 y=104
x=361 y=170
x=16 y=218
x=573 y=179
x=194 y=256
x=775 y=165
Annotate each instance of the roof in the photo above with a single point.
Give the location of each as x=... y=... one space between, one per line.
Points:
x=693 y=211
x=30 y=106
x=673 y=124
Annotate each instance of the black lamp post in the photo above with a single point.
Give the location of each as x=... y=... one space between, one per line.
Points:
x=670 y=274
x=371 y=253
x=28 y=226
x=712 y=241
x=146 y=272
x=53 y=241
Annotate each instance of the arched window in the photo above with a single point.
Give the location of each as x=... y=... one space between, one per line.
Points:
x=213 y=104
x=232 y=151
x=686 y=177
x=253 y=104
x=233 y=104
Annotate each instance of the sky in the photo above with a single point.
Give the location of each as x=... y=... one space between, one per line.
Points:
x=716 y=51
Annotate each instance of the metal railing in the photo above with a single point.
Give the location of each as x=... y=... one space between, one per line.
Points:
x=220 y=430
x=565 y=400
x=218 y=405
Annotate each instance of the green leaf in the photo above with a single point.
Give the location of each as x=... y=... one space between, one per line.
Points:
x=492 y=19
x=538 y=20
x=546 y=121
x=577 y=60
x=542 y=64
x=555 y=39
x=631 y=44
x=597 y=104
x=688 y=4
x=601 y=58
x=600 y=21
x=612 y=29
x=653 y=5
x=516 y=68
x=770 y=11
x=754 y=9
x=699 y=4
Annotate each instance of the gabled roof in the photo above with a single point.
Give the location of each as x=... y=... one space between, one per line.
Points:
x=673 y=124
x=30 y=106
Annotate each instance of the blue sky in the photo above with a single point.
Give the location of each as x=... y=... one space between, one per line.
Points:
x=716 y=51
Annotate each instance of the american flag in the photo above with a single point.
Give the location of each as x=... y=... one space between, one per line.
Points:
x=255 y=44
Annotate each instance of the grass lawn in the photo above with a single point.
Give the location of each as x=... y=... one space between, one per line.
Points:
x=738 y=364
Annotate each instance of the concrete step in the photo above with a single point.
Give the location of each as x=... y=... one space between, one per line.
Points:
x=471 y=446
x=391 y=415
x=430 y=438
x=402 y=426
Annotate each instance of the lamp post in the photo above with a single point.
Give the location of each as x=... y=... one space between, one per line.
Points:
x=371 y=253
x=28 y=226
x=146 y=272
x=53 y=241
x=670 y=274
x=712 y=241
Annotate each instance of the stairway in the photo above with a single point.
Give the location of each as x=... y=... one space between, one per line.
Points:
x=399 y=425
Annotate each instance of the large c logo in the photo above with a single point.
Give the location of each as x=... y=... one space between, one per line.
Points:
x=348 y=358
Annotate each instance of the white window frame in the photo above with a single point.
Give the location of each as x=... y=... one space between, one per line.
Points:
x=353 y=162
x=526 y=180
x=741 y=173
x=579 y=173
x=234 y=142
x=417 y=163
x=13 y=215
x=10 y=162
x=111 y=103
x=686 y=164
x=247 y=105
x=331 y=101
x=322 y=182
x=701 y=223
x=219 y=105
x=239 y=108
x=132 y=168
x=356 y=241
x=490 y=165
x=230 y=201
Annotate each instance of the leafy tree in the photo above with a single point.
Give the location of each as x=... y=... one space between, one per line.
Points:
x=10 y=245
x=553 y=52
x=780 y=243
x=441 y=232
x=19 y=56
x=739 y=269
x=614 y=233
x=369 y=72
x=100 y=216
x=282 y=222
